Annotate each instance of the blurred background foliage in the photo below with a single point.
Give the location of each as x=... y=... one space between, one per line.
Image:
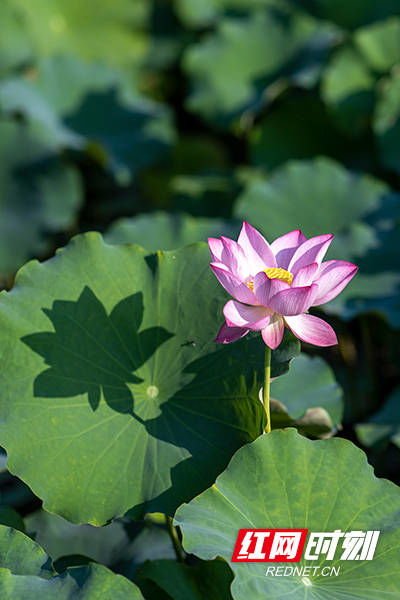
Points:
x=162 y=122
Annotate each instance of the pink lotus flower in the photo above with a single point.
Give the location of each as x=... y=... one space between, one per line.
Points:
x=275 y=285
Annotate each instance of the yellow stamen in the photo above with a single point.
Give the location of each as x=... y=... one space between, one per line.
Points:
x=250 y=285
x=274 y=273
x=281 y=274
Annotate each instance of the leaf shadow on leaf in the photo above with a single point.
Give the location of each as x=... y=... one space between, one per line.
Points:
x=91 y=352
x=213 y=412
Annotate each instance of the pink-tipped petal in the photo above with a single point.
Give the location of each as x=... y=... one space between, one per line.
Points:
x=272 y=334
x=265 y=288
x=332 y=278
x=312 y=330
x=293 y=301
x=285 y=246
x=306 y=275
x=233 y=285
x=226 y=334
x=256 y=248
x=234 y=258
x=216 y=247
x=249 y=317
x=310 y=251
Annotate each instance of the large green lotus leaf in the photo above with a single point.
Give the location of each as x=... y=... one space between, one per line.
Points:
x=351 y=14
x=38 y=194
x=164 y=231
x=348 y=89
x=380 y=44
x=282 y=480
x=134 y=134
x=230 y=68
x=26 y=572
x=384 y=426
x=170 y=580
x=110 y=33
x=111 y=380
x=387 y=122
x=317 y=407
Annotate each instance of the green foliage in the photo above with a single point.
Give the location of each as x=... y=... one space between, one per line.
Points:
x=61 y=538
x=209 y=579
x=316 y=408
x=324 y=197
x=348 y=88
x=71 y=26
x=321 y=196
x=160 y=123
x=26 y=571
x=387 y=121
x=384 y=426
x=133 y=136
x=380 y=44
x=283 y=480
x=292 y=130
x=79 y=78
x=112 y=350
x=14 y=47
x=353 y=14
x=163 y=231
x=230 y=69
x=10 y=517
x=38 y=193
x=199 y=13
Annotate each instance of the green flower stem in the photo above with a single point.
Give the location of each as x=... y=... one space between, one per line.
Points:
x=173 y=534
x=267 y=382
